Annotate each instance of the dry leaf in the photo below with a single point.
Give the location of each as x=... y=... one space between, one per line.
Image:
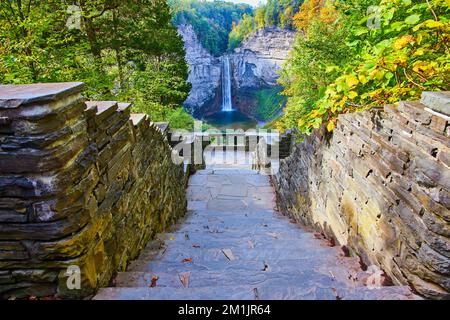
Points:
x=187 y=260
x=184 y=278
x=229 y=254
x=196 y=245
x=273 y=235
x=154 y=280
x=172 y=238
x=250 y=244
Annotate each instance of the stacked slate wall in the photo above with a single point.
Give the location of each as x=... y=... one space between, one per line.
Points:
x=82 y=185
x=380 y=184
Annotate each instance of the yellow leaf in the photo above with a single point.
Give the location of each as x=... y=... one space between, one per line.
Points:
x=351 y=81
x=330 y=126
x=352 y=94
x=363 y=79
x=402 y=42
x=419 y=52
x=433 y=24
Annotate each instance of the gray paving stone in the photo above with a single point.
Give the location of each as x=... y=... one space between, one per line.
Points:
x=232 y=244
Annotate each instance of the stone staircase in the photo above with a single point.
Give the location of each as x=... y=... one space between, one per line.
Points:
x=233 y=244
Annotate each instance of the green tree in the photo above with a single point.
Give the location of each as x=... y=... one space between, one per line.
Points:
x=126 y=49
x=276 y=13
x=239 y=31
x=211 y=21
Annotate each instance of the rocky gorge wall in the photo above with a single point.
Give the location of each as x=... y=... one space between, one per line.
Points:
x=83 y=185
x=255 y=65
x=259 y=58
x=204 y=74
x=380 y=184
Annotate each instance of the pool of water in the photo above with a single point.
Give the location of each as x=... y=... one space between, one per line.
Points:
x=230 y=120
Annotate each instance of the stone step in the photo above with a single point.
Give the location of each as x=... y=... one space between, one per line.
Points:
x=214 y=180
x=257 y=292
x=174 y=253
x=228 y=278
x=256 y=233
x=272 y=225
x=382 y=293
x=225 y=214
x=232 y=171
x=232 y=205
x=145 y=293
x=327 y=265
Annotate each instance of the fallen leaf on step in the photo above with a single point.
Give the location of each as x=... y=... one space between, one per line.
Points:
x=187 y=260
x=196 y=245
x=172 y=238
x=250 y=244
x=274 y=235
x=154 y=280
x=184 y=278
x=229 y=254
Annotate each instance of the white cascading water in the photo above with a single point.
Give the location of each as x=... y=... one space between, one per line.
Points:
x=226 y=86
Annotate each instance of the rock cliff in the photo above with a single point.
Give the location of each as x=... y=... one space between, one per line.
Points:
x=256 y=64
x=257 y=60
x=204 y=75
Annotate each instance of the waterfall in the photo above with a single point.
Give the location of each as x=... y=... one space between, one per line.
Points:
x=226 y=86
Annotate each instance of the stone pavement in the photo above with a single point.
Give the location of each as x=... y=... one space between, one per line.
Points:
x=233 y=244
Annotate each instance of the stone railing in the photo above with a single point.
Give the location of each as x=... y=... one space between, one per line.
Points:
x=83 y=187
x=380 y=184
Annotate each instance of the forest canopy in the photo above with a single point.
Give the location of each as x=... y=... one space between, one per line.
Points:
x=212 y=21
x=275 y=13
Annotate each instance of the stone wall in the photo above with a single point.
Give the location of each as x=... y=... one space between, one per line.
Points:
x=83 y=184
x=380 y=184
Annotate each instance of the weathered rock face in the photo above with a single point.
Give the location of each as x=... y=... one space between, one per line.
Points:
x=259 y=58
x=256 y=64
x=204 y=75
x=81 y=184
x=381 y=185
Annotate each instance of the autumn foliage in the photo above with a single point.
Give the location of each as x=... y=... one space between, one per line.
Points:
x=315 y=10
x=355 y=54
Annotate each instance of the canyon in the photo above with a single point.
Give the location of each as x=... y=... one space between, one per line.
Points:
x=253 y=66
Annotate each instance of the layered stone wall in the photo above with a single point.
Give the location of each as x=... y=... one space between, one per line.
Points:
x=82 y=185
x=380 y=184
